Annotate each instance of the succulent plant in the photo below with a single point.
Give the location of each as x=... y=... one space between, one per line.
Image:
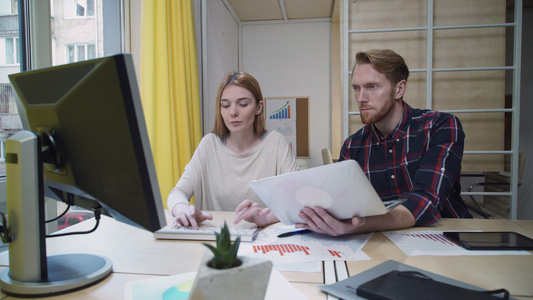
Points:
x=225 y=252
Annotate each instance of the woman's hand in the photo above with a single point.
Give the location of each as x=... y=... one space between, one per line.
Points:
x=253 y=213
x=186 y=214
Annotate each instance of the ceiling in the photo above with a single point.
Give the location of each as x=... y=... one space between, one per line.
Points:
x=280 y=10
x=294 y=10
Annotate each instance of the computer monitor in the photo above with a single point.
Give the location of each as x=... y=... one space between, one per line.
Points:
x=91 y=136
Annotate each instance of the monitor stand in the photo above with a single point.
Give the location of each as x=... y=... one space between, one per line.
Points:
x=31 y=272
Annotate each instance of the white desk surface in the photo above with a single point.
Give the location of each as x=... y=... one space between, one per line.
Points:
x=513 y=272
x=136 y=255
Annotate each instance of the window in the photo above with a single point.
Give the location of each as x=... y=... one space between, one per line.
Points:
x=8 y=7
x=80 y=32
x=10 y=63
x=80 y=52
x=79 y=8
x=12 y=51
x=473 y=83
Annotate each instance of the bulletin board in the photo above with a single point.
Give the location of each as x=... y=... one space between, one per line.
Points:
x=290 y=117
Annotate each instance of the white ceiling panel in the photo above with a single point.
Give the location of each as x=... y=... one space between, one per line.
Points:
x=281 y=10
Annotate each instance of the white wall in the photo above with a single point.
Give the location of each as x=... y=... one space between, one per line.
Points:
x=293 y=60
x=221 y=56
x=525 y=194
x=288 y=60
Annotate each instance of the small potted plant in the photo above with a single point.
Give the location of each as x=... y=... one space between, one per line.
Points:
x=224 y=275
x=225 y=253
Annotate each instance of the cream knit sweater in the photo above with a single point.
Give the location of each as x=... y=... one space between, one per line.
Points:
x=218 y=177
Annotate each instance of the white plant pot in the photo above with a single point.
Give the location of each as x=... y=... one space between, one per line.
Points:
x=248 y=281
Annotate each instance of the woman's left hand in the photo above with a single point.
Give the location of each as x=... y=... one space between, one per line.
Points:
x=251 y=212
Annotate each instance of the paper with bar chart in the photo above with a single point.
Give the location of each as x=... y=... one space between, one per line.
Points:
x=281 y=117
x=304 y=247
x=428 y=242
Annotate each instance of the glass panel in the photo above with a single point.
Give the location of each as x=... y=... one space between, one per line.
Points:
x=5 y=7
x=84 y=8
x=90 y=8
x=487 y=49
x=87 y=34
x=69 y=8
x=460 y=12
x=91 y=51
x=80 y=31
x=379 y=14
x=17 y=52
x=80 y=10
x=70 y=54
x=9 y=51
x=80 y=52
x=10 y=59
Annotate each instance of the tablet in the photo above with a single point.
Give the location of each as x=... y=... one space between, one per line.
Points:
x=480 y=240
x=342 y=189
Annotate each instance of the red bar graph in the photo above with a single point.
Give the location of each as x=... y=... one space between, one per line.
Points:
x=282 y=249
x=335 y=253
x=286 y=249
x=437 y=238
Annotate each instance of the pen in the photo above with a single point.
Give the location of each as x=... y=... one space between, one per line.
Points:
x=291 y=233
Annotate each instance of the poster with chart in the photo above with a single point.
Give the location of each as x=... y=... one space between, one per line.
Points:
x=281 y=117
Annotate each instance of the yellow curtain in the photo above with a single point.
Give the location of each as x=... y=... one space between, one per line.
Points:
x=169 y=87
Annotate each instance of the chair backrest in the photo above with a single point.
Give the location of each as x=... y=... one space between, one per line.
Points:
x=326 y=156
x=499 y=182
x=507 y=169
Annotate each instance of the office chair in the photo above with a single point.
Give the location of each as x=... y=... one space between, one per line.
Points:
x=326 y=156
x=496 y=182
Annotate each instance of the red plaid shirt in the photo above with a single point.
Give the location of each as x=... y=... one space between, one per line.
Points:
x=419 y=161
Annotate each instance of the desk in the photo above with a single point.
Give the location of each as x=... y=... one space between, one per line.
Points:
x=525 y=223
x=136 y=255
x=513 y=272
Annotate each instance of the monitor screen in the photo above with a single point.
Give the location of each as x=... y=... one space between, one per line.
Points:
x=96 y=149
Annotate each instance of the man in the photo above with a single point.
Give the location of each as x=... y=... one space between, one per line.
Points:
x=406 y=153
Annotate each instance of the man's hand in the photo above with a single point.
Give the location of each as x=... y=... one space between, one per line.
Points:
x=186 y=214
x=318 y=220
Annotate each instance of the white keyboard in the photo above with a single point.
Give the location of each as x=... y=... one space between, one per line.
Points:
x=204 y=233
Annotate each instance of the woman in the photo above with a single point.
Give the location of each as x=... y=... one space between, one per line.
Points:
x=239 y=150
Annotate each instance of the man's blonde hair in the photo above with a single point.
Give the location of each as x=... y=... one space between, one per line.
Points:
x=386 y=62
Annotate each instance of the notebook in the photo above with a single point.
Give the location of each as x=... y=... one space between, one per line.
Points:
x=341 y=188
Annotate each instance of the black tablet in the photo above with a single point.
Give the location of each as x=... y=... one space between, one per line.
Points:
x=480 y=240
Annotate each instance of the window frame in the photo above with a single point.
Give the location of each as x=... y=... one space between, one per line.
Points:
x=36 y=50
x=15 y=51
x=76 y=48
x=70 y=9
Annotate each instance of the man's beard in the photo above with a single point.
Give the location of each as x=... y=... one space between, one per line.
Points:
x=380 y=114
